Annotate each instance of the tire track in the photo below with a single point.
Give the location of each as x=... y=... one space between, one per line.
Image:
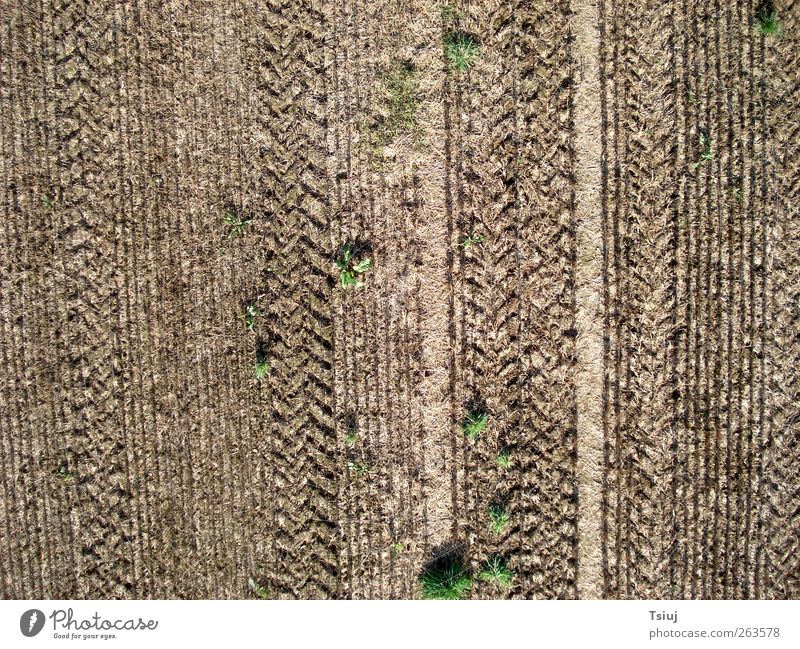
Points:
x=512 y=175
x=85 y=106
x=69 y=500
x=544 y=446
x=306 y=474
x=647 y=310
x=487 y=175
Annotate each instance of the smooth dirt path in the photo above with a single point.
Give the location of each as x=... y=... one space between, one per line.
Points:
x=432 y=277
x=589 y=303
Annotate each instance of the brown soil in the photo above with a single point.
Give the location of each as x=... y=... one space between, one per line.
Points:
x=629 y=324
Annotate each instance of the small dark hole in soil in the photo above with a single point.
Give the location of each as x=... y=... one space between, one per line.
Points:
x=765 y=7
x=476 y=405
x=262 y=349
x=447 y=552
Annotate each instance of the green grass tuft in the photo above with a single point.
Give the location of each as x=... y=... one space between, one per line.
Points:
x=262 y=368
x=403 y=92
x=498 y=519
x=768 y=23
x=504 y=459
x=460 y=49
x=706 y=150
x=396 y=113
x=258 y=590
x=446 y=579
x=63 y=473
x=474 y=424
x=496 y=571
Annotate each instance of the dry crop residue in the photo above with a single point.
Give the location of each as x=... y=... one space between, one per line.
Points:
x=513 y=318
x=624 y=311
x=698 y=256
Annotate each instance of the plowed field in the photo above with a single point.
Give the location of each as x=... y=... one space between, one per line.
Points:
x=588 y=233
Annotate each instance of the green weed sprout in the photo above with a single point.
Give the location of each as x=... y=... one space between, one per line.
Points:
x=768 y=23
x=236 y=224
x=498 y=518
x=471 y=239
x=262 y=367
x=350 y=269
x=474 y=424
x=496 y=571
x=460 y=49
x=351 y=431
x=397 y=549
x=504 y=459
x=63 y=473
x=251 y=312
x=359 y=468
x=706 y=150
x=446 y=579
x=258 y=590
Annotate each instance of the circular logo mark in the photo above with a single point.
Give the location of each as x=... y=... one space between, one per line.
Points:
x=31 y=622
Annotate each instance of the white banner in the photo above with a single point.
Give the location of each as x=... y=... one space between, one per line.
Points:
x=487 y=624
